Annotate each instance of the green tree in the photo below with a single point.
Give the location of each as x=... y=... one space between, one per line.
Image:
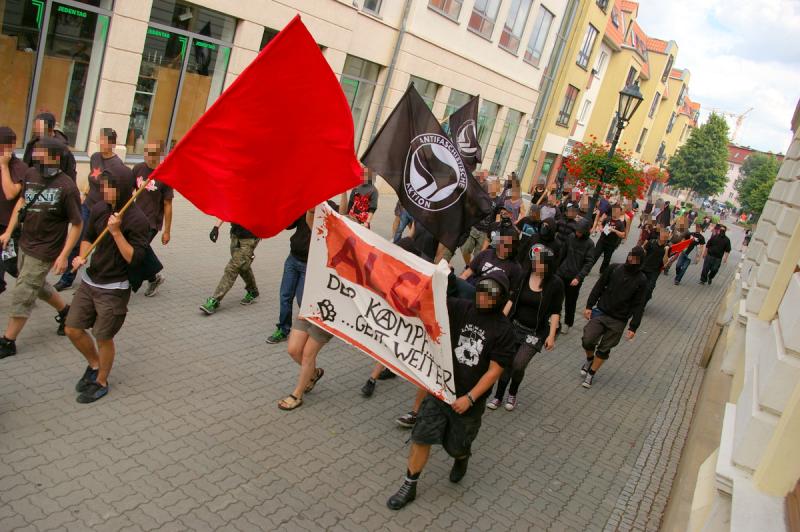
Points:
x=758 y=175
x=701 y=164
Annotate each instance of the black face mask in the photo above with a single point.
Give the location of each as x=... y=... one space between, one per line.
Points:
x=48 y=171
x=632 y=268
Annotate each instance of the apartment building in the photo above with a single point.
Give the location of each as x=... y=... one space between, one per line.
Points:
x=150 y=68
x=737 y=155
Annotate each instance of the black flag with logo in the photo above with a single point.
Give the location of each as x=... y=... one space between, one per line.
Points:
x=464 y=132
x=413 y=154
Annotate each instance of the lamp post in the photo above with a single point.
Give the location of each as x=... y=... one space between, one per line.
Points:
x=629 y=100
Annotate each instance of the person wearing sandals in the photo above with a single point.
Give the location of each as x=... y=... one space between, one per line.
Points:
x=483 y=344
x=534 y=312
x=306 y=340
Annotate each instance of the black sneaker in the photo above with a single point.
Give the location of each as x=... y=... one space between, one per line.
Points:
x=60 y=286
x=459 y=469
x=369 y=388
x=406 y=494
x=8 y=348
x=407 y=420
x=92 y=393
x=89 y=376
x=61 y=318
x=386 y=374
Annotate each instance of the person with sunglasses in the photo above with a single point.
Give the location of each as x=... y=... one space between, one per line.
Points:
x=535 y=312
x=156 y=204
x=483 y=343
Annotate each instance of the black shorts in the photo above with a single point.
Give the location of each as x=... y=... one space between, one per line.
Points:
x=438 y=424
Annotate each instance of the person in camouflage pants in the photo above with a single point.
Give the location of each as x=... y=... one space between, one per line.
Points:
x=243 y=245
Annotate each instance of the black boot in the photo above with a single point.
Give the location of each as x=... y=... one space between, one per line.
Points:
x=8 y=348
x=406 y=494
x=62 y=321
x=459 y=469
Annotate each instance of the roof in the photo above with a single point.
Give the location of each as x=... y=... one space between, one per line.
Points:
x=677 y=73
x=690 y=109
x=737 y=154
x=638 y=41
x=630 y=7
x=615 y=28
x=657 y=45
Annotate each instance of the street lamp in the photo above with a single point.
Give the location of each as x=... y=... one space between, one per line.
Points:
x=629 y=100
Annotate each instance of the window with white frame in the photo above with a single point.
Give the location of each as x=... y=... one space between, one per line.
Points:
x=584 y=112
x=567 y=106
x=515 y=25
x=372 y=6
x=642 y=138
x=483 y=17
x=541 y=28
x=601 y=62
x=449 y=8
x=586 y=48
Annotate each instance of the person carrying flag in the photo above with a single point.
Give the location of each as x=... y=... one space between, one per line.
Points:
x=483 y=345
x=684 y=260
x=101 y=301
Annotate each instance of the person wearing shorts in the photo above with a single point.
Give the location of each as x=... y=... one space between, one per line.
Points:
x=101 y=301
x=618 y=295
x=52 y=225
x=483 y=344
x=306 y=340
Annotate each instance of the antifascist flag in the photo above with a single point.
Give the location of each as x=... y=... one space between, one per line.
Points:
x=277 y=142
x=464 y=131
x=412 y=153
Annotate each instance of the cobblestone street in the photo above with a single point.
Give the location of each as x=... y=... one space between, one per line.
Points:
x=190 y=437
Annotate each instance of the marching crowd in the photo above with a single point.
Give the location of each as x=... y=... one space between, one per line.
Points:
x=518 y=294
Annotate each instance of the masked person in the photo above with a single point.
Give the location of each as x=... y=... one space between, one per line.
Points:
x=618 y=297
x=715 y=254
x=243 y=247
x=499 y=257
x=101 y=301
x=656 y=255
x=534 y=311
x=44 y=126
x=155 y=202
x=52 y=224
x=546 y=237
x=483 y=344
x=13 y=177
x=103 y=161
x=577 y=257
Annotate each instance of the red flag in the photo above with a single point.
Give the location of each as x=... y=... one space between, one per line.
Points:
x=278 y=141
x=680 y=246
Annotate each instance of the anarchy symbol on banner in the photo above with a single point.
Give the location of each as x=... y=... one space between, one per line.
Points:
x=326 y=310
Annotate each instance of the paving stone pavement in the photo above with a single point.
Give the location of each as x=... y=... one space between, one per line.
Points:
x=190 y=438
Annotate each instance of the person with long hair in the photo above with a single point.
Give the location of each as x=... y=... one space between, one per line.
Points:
x=534 y=312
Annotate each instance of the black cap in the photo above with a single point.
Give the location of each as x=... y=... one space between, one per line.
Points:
x=48 y=118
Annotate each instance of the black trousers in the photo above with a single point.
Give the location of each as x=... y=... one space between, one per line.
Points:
x=711 y=266
x=606 y=250
x=652 y=279
x=570 y=300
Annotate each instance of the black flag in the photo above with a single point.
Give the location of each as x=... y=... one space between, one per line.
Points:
x=464 y=132
x=412 y=153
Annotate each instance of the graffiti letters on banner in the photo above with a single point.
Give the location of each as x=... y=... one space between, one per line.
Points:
x=381 y=299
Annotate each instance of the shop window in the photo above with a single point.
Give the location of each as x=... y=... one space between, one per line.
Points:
x=487 y=117
x=426 y=89
x=359 y=79
x=507 y=138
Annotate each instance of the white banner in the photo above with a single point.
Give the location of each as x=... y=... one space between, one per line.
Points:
x=381 y=299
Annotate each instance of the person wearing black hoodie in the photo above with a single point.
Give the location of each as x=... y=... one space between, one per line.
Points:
x=534 y=310
x=577 y=259
x=101 y=301
x=44 y=126
x=546 y=237
x=483 y=344
x=617 y=297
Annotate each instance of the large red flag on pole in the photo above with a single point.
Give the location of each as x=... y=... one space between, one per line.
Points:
x=278 y=141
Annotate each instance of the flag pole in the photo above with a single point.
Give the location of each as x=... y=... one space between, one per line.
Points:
x=85 y=256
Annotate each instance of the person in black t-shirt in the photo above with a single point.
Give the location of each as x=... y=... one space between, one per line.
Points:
x=499 y=257
x=44 y=126
x=656 y=256
x=715 y=254
x=243 y=245
x=612 y=234
x=483 y=343
x=13 y=172
x=698 y=240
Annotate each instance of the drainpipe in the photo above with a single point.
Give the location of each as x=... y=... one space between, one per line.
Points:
x=549 y=75
x=392 y=64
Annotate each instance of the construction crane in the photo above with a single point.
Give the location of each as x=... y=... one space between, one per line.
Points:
x=738 y=119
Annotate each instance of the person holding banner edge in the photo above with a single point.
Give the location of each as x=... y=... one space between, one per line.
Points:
x=484 y=344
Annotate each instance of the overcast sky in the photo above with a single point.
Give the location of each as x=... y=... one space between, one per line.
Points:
x=742 y=54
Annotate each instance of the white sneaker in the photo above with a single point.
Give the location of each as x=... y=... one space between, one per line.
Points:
x=585 y=368
x=152 y=286
x=493 y=404
x=565 y=329
x=511 y=403
x=587 y=382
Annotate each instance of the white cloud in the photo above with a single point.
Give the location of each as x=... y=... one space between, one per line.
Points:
x=741 y=54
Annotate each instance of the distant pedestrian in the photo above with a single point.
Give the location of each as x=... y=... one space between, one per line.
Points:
x=617 y=297
x=577 y=257
x=612 y=233
x=243 y=246
x=684 y=260
x=748 y=235
x=715 y=254
x=363 y=200
x=44 y=126
x=156 y=204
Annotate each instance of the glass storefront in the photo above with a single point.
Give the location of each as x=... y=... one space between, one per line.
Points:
x=426 y=89
x=487 y=116
x=507 y=137
x=182 y=72
x=63 y=79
